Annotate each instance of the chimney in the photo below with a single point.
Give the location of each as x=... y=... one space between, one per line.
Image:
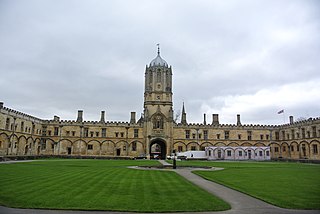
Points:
x=204 y=119
x=133 y=117
x=80 y=115
x=1 y=104
x=102 y=120
x=238 y=120
x=215 y=119
x=56 y=118
x=291 y=119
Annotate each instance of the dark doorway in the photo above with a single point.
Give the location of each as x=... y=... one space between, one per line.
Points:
x=69 y=150
x=118 y=152
x=158 y=150
x=249 y=154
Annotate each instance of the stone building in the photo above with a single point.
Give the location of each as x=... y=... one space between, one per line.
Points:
x=155 y=134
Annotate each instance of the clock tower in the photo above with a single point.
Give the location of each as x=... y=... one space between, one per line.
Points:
x=158 y=112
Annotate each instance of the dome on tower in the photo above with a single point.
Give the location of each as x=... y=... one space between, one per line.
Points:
x=158 y=61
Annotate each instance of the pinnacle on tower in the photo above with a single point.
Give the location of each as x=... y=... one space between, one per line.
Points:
x=184 y=115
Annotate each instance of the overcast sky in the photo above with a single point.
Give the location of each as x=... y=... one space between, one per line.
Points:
x=252 y=58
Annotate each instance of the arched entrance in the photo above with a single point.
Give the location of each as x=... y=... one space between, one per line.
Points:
x=158 y=149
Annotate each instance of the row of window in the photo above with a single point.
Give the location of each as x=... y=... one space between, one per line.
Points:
x=303 y=147
x=88 y=133
x=226 y=135
x=23 y=128
x=296 y=134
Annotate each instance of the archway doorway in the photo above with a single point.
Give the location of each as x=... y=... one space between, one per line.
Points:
x=158 y=149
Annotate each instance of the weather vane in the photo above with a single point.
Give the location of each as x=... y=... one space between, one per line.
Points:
x=158 y=48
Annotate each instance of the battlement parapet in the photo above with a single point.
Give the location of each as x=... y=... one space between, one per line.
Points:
x=306 y=122
x=90 y=123
x=223 y=126
x=20 y=115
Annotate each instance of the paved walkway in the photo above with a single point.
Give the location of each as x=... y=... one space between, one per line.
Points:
x=240 y=203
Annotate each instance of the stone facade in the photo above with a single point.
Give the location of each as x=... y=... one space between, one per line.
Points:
x=155 y=134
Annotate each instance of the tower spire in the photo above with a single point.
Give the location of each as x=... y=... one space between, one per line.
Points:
x=183 y=116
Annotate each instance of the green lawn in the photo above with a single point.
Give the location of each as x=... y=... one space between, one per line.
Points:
x=100 y=185
x=288 y=185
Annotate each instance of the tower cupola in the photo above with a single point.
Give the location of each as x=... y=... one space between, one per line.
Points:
x=158 y=61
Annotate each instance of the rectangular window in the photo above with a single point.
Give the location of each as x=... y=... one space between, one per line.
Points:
x=218 y=136
x=33 y=128
x=179 y=148
x=240 y=153
x=122 y=134
x=267 y=153
x=187 y=134
x=90 y=146
x=226 y=135
x=91 y=134
x=103 y=132
x=7 y=123
x=284 y=148
x=297 y=148
x=194 y=136
x=249 y=135
x=292 y=148
x=205 y=134
x=283 y=135
x=276 y=149
x=193 y=148
x=67 y=133
x=117 y=134
x=73 y=133
x=260 y=153
x=86 y=132
x=56 y=131
x=267 y=137
x=22 y=126
x=49 y=132
x=136 y=133
x=315 y=149
x=229 y=153
x=199 y=137
x=97 y=134
x=303 y=133
x=314 y=131
x=239 y=136
x=277 y=135
x=261 y=137
x=292 y=134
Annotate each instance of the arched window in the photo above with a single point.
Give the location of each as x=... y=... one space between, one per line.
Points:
x=158 y=76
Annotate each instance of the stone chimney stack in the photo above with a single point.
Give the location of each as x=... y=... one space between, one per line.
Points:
x=133 y=117
x=291 y=119
x=80 y=116
x=215 y=119
x=56 y=118
x=204 y=119
x=238 y=120
x=102 y=120
x=1 y=104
